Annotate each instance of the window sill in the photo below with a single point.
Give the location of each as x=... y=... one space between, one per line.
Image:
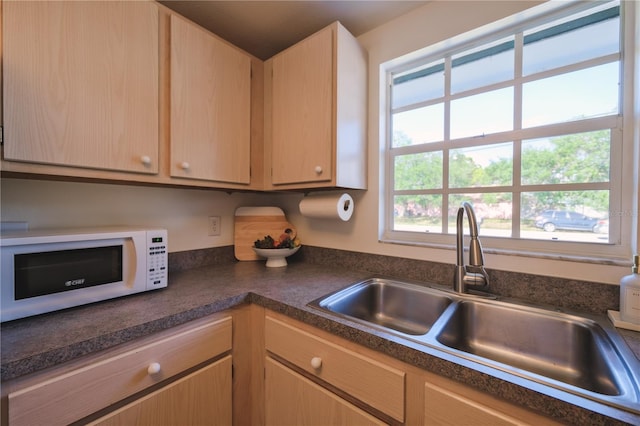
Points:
x=601 y=261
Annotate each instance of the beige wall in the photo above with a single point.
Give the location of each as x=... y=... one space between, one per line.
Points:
x=426 y=26
x=184 y=212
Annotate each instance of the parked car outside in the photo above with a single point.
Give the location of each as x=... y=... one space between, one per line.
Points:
x=602 y=227
x=550 y=220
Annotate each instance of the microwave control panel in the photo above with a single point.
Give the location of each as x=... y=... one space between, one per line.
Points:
x=157 y=259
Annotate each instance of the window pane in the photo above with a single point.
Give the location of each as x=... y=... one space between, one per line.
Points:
x=418 y=126
x=418 y=171
x=486 y=113
x=483 y=66
x=565 y=77
x=563 y=42
x=493 y=213
x=487 y=165
x=573 y=96
x=578 y=158
x=417 y=213
x=418 y=85
x=565 y=216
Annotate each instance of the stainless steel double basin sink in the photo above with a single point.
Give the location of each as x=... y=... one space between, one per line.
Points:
x=582 y=355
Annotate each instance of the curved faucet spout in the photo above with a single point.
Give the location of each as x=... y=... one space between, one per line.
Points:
x=475 y=249
x=471 y=216
x=474 y=274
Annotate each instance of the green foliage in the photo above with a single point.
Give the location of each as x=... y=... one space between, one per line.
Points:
x=418 y=171
x=577 y=158
x=569 y=159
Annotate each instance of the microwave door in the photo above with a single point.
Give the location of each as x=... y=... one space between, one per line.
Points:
x=49 y=272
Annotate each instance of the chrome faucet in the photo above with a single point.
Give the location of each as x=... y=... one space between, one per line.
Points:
x=473 y=274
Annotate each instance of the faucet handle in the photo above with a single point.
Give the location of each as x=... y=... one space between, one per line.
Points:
x=476 y=276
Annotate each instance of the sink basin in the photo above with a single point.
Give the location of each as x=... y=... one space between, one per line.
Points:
x=570 y=349
x=582 y=355
x=399 y=306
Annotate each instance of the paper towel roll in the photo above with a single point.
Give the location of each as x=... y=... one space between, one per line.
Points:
x=327 y=206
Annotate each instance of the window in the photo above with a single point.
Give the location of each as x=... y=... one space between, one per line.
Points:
x=521 y=124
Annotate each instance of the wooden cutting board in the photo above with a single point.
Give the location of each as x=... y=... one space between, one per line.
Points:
x=255 y=223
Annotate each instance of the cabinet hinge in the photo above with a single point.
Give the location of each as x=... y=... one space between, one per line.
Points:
x=1 y=135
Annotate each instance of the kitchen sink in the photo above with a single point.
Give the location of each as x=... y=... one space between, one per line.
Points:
x=567 y=348
x=399 y=306
x=579 y=354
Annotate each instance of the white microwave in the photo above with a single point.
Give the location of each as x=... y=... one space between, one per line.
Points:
x=47 y=270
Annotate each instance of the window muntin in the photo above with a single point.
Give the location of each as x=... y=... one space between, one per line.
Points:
x=517 y=116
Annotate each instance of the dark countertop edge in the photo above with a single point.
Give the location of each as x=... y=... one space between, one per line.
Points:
x=538 y=398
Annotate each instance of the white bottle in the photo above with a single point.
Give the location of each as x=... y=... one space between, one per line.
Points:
x=630 y=294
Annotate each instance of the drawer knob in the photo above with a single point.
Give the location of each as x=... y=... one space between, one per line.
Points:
x=146 y=160
x=154 y=368
x=316 y=362
x=318 y=170
x=185 y=166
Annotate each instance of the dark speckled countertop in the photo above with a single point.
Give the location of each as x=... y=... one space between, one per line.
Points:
x=32 y=344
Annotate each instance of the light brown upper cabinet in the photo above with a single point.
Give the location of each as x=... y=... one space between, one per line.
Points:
x=81 y=84
x=210 y=106
x=315 y=113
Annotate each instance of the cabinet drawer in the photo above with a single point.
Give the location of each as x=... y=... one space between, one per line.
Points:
x=78 y=393
x=371 y=382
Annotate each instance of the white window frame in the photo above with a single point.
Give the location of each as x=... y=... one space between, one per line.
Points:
x=624 y=172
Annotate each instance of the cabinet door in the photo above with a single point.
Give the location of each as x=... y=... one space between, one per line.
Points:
x=81 y=84
x=65 y=398
x=362 y=377
x=201 y=398
x=302 y=111
x=443 y=407
x=291 y=399
x=210 y=106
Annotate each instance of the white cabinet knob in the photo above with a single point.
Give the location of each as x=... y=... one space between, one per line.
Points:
x=185 y=166
x=154 y=368
x=318 y=170
x=146 y=160
x=316 y=362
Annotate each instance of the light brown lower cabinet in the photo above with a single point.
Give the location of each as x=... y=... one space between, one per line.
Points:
x=444 y=406
x=201 y=398
x=187 y=369
x=332 y=372
x=292 y=399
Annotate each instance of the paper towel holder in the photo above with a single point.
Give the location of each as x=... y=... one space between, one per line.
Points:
x=327 y=205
